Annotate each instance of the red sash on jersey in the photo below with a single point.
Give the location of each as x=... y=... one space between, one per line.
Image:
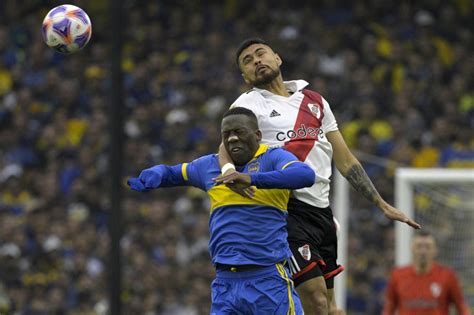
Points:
x=310 y=115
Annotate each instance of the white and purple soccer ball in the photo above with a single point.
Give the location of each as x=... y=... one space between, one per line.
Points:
x=67 y=29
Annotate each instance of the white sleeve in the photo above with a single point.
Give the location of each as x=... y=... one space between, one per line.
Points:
x=329 y=121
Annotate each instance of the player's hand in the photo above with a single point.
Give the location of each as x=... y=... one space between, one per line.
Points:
x=233 y=178
x=148 y=179
x=237 y=182
x=136 y=184
x=243 y=190
x=394 y=214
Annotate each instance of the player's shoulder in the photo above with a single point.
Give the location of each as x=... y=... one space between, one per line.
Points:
x=439 y=268
x=311 y=93
x=402 y=270
x=206 y=160
x=273 y=150
x=277 y=149
x=280 y=152
x=315 y=96
x=248 y=99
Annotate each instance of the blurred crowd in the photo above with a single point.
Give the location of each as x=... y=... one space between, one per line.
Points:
x=399 y=76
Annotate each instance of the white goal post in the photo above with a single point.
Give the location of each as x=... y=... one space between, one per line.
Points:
x=340 y=206
x=405 y=178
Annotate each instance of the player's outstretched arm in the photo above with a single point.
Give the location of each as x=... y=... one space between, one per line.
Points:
x=296 y=175
x=355 y=174
x=158 y=176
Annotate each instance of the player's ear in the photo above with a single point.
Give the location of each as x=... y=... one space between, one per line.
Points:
x=278 y=59
x=259 y=135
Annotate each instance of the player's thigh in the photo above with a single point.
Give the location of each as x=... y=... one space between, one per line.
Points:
x=313 y=288
x=273 y=294
x=221 y=298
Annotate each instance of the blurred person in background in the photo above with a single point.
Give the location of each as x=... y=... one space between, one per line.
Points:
x=425 y=287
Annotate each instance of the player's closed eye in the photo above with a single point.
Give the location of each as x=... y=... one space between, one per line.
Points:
x=237 y=132
x=246 y=60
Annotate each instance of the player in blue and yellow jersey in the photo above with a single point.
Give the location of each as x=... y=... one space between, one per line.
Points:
x=248 y=236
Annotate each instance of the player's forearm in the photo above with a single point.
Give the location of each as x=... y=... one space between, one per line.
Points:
x=361 y=182
x=158 y=176
x=224 y=157
x=295 y=176
x=170 y=176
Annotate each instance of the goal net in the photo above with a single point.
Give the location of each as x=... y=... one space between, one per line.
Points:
x=442 y=201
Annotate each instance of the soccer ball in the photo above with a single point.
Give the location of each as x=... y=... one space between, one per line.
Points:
x=66 y=29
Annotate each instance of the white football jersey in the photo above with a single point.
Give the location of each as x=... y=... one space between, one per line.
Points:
x=300 y=123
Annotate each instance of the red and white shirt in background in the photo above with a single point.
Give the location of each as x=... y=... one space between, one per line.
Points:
x=431 y=293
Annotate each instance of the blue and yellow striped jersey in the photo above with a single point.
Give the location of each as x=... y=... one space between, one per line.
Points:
x=242 y=230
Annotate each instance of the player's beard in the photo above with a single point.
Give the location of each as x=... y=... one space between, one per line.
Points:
x=267 y=77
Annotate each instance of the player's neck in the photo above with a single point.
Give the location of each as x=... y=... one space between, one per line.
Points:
x=276 y=87
x=423 y=268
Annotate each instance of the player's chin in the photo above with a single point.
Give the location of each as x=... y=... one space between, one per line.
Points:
x=239 y=158
x=264 y=79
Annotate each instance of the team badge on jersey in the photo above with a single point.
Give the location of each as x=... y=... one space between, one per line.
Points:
x=254 y=167
x=305 y=252
x=435 y=289
x=315 y=110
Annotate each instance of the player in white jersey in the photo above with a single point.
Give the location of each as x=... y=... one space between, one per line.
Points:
x=301 y=121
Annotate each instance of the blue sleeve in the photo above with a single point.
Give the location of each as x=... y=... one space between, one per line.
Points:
x=294 y=176
x=288 y=172
x=185 y=174
x=193 y=173
x=162 y=176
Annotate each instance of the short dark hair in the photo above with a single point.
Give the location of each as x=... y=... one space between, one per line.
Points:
x=242 y=111
x=246 y=43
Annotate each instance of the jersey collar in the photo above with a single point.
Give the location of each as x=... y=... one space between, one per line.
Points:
x=261 y=149
x=291 y=86
x=295 y=85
